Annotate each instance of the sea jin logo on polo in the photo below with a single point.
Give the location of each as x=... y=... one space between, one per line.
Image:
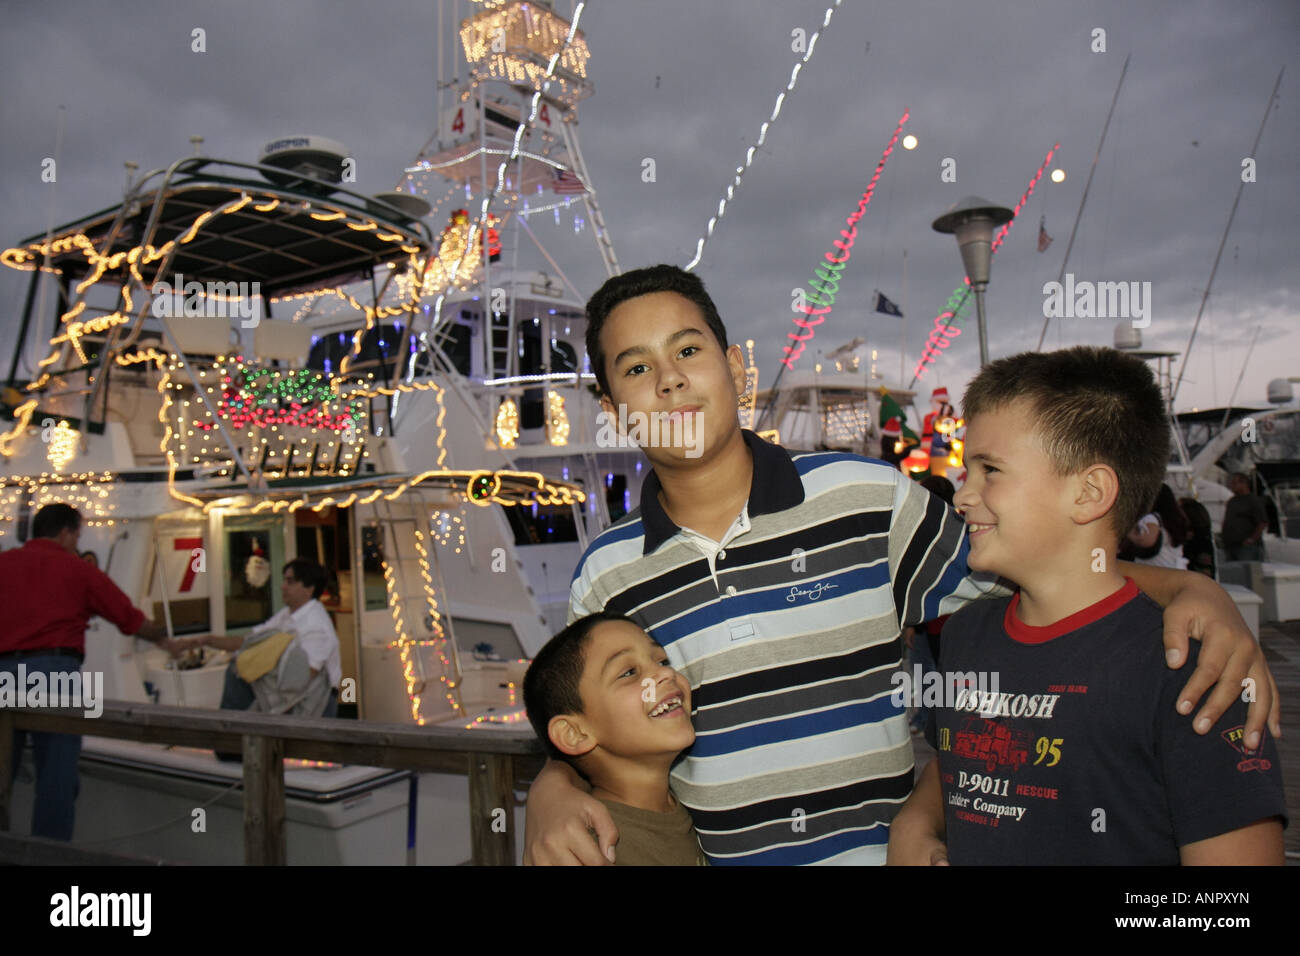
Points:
x=75 y=689
x=812 y=593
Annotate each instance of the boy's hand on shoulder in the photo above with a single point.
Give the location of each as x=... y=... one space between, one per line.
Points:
x=559 y=819
x=1230 y=661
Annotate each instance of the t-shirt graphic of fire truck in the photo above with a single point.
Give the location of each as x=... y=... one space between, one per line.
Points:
x=991 y=742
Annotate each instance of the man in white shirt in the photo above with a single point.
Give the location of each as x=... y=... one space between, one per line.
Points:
x=305 y=616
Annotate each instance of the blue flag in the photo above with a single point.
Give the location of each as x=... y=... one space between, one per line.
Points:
x=884 y=305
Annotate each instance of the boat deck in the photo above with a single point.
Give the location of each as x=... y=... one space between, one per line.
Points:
x=1282 y=649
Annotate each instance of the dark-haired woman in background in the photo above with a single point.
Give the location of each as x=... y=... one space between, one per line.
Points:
x=1198 y=549
x=1159 y=536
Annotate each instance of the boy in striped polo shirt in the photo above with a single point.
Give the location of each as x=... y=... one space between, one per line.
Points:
x=778 y=584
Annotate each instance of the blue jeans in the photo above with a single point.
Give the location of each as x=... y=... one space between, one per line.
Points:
x=54 y=812
x=236 y=694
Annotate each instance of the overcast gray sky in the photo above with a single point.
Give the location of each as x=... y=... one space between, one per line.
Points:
x=990 y=85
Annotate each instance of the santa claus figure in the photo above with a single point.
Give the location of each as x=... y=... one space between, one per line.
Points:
x=937 y=429
x=257 y=570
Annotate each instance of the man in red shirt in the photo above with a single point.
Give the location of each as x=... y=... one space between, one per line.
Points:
x=48 y=595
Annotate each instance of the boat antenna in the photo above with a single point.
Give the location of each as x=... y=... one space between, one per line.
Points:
x=1205 y=297
x=1227 y=412
x=1078 y=216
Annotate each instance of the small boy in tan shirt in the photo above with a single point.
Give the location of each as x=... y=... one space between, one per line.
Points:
x=602 y=696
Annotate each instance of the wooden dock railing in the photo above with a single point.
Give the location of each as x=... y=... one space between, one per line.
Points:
x=494 y=761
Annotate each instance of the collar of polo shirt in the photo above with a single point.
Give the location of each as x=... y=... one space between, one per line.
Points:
x=781 y=488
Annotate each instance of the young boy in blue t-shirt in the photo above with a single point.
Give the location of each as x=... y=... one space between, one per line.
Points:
x=1078 y=755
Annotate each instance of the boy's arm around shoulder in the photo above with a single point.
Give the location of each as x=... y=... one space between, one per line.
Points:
x=917 y=833
x=1225 y=798
x=1230 y=657
x=558 y=817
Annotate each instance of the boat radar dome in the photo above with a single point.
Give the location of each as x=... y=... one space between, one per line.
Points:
x=317 y=161
x=1127 y=338
x=1279 y=392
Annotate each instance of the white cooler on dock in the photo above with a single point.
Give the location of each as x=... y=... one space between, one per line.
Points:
x=1279 y=586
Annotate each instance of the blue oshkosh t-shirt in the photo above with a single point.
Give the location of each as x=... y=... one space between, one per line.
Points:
x=1079 y=755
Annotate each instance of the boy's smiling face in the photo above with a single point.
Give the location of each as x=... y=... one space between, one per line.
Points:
x=1017 y=508
x=662 y=358
x=634 y=703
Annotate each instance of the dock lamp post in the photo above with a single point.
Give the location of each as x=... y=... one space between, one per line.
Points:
x=973 y=220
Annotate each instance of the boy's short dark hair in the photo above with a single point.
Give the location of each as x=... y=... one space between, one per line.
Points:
x=53 y=518
x=551 y=682
x=632 y=285
x=309 y=574
x=1089 y=405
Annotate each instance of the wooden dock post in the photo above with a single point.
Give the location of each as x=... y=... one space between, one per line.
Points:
x=491 y=810
x=264 y=838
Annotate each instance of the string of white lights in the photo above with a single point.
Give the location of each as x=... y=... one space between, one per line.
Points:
x=762 y=137
x=526 y=210
x=425 y=166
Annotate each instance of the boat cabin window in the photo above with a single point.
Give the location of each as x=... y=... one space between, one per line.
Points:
x=382 y=345
x=457 y=345
x=541 y=524
x=563 y=356
x=532 y=413
x=180 y=552
x=617 y=496
x=254 y=562
x=372 y=568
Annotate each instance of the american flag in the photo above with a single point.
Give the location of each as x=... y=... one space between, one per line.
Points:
x=1044 y=240
x=565 y=182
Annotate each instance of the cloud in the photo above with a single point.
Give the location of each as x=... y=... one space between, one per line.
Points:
x=991 y=88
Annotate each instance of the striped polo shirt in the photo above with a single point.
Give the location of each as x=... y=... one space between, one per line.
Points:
x=789 y=632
